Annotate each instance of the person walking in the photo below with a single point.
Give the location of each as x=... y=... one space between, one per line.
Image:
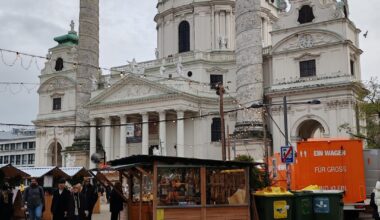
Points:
x=375 y=201
x=34 y=200
x=76 y=204
x=90 y=196
x=6 y=203
x=116 y=201
x=60 y=204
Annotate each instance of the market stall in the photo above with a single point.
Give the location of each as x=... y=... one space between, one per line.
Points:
x=160 y=188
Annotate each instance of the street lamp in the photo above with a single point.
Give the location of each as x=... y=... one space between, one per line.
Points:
x=286 y=135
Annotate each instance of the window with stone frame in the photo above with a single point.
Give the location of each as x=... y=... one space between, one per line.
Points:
x=308 y=68
x=30 y=158
x=215 y=79
x=59 y=64
x=57 y=103
x=305 y=14
x=215 y=130
x=352 y=67
x=184 y=37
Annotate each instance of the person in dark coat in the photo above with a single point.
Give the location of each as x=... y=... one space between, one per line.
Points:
x=6 y=203
x=375 y=213
x=61 y=200
x=116 y=201
x=34 y=198
x=91 y=197
x=76 y=204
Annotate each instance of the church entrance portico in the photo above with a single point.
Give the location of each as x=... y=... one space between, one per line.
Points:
x=54 y=154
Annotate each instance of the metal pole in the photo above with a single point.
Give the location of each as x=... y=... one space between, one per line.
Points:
x=288 y=178
x=55 y=149
x=221 y=112
x=228 y=144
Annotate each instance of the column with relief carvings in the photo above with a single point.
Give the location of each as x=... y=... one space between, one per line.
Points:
x=162 y=131
x=123 y=136
x=180 y=134
x=107 y=137
x=92 y=141
x=145 y=134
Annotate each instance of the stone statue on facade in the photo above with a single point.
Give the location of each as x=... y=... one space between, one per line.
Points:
x=72 y=25
x=156 y=53
x=94 y=83
x=223 y=42
x=179 y=66
x=133 y=66
x=162 y=68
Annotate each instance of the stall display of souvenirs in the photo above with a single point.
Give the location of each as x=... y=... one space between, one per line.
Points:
x=147 y=187
x=178 y=186
x=226 y=186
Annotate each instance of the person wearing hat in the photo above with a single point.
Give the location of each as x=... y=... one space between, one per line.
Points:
x=77 y=204
x=375 y=201
x=61 y=200
x=90 y=195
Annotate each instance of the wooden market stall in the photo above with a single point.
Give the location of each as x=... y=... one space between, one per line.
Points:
x=171 y=188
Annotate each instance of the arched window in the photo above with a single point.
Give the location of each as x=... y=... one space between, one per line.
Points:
x=58 y=64
x=306 y=14
x=184 y=37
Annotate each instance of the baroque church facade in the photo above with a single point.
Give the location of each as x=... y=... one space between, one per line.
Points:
x=260 y=50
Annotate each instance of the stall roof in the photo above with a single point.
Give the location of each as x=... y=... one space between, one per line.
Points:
x=11 y=171
x=39 y=172
x=148 y=159
x=73 y=171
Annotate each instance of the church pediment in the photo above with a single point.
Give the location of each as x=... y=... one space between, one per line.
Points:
x=59 y=83
x=132 y=89
x=307 y=39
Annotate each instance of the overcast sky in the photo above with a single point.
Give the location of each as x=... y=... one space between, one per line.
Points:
x=127 y=31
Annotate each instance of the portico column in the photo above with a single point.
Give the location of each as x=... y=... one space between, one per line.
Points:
x=92 y=141
x=107 y=137
x=180 y=134
x=123 y=136
x=162 y=131
x=145 y=134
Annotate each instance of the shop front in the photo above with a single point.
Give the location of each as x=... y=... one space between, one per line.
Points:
x=158 y=188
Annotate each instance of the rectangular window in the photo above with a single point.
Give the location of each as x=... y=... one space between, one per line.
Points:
x=30 y=158
x=57 y=103
x=12 y=160
x=179 y=186
x=215 y=80
x=6 y=147
x=1 y=147
x=24 y=159
x=13 y=146
x=226 y=187
x=6 y=159
x=19 y=146
x=215 y=130
x=32 y=145
x=25 y=145
x=352 y=67
x=1 y=159
x=307 y=68
x=18 y=159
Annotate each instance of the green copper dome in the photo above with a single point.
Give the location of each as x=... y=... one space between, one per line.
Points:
x=69 y=39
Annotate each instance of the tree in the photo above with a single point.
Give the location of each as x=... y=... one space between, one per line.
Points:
x=260 y=177
x=369 y=108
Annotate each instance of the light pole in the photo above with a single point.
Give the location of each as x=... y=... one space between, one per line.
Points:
x=286 y=133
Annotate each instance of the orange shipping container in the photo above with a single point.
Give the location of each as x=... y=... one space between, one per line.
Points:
x=331 y=164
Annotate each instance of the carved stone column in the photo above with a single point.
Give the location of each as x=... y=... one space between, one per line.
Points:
x=162 y=131
x=107 y=137
x=92 y=141
x=145 y=134
x=123 y=136
x=88 y=58
x=249 y=59
x=180 y=134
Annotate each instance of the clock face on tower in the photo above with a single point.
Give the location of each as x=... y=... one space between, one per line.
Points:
x=305 y=41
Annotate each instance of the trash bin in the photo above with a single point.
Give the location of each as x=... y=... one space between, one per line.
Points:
x=274 y=203
x=328 y=205
x=303 y=205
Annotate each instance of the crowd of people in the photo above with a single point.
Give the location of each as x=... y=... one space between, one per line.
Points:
x=74 y=203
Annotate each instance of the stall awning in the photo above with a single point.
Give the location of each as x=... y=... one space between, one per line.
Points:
x=11 y=171
x=74 y=171
x=148 y=159
x=39 y=172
